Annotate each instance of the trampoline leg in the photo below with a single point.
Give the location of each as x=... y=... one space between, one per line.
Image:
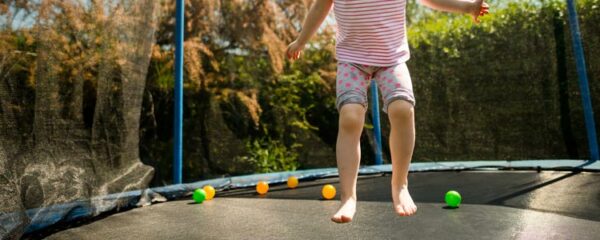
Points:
x=178 y=128
x=376 y=123
x=583 y=81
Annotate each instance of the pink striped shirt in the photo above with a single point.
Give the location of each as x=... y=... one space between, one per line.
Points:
x=371 y=32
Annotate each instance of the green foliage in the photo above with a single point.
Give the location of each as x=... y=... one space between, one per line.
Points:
x=493 y=90
x=267 y=155
x=161 y=71
x=292 y=96
x=292 y=105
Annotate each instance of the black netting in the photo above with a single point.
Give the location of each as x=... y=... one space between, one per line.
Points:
x=70 y=129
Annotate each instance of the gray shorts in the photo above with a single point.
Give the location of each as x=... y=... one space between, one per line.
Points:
x=353 y=81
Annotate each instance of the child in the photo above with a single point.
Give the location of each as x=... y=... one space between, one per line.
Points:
x=371 y=44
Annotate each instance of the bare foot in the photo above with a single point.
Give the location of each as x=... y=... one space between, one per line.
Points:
x=403 y=203
x=346 y=211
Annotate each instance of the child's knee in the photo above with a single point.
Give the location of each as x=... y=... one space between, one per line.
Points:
x=352 y=117
x=400 y=109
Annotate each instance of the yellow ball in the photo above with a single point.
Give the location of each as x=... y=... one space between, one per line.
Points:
x=292 y=182
x=328 y=191
x=262 y=187
x=210 y=192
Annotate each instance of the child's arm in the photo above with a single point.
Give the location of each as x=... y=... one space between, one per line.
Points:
x=317 y=14
x=475 y=8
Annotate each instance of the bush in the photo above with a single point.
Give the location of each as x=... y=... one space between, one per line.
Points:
x=503 y=89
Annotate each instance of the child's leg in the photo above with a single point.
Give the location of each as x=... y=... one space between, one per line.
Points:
x=402 y=142
x=348 y=158
x=396 y=87
x=352 y=81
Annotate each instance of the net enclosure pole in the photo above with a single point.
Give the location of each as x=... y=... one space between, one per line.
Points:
x=376 y=123
x=178 y=108
x=583 y=81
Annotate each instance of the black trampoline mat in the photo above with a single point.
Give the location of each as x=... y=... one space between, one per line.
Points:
x=567 y=193
x=496 y=205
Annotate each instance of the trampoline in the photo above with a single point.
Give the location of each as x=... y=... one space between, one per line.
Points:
x=501 y=202
x=84 y=168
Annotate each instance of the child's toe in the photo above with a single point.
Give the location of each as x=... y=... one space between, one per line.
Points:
x=400 y=211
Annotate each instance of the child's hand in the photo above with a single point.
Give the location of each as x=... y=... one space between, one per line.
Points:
x=294 y=50
x=480 y=8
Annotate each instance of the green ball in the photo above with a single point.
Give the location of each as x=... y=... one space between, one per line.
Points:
x=453 y=198
x=199 y=195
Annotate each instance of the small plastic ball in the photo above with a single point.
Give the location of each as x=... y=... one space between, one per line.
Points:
x=292 y=182
x=199 y=195
x=453 y=198
x=210 y=192
x=262 y=187
x=328 y=191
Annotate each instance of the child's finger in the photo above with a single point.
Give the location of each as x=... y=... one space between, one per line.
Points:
x=485 y=6
x=484 y=9
x=290 y=53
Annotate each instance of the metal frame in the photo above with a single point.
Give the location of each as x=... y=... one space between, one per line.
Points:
x=588 y=111
x=376 y=123
x=178 y=117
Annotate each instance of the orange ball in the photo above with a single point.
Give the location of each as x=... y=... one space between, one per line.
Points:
x=210 y=192
x=328 y=191
x=262 y=187
x=292 y=182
